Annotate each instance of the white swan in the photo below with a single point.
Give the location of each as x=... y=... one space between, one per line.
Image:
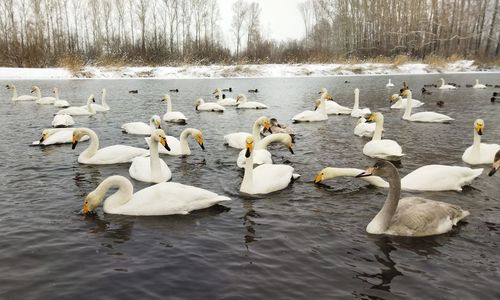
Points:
x=479 y=85
x=166 y=198
x=332 y=107
x=356 y=111
x=265 y=178
x=109 y=155
x=426 y=178
x=62 y=121
x=224 y=101
x=364 y=129
x=57 y=136
x=15 y=97
x=260 y=153
x=244 y=103
x=41 y=100
x=141 y=128
x=237 y=139
x=400 y=102
x=389 y=84
x=424 y=116
x=181 y=147
x=152 y=168
x=104 y=105
x=496 y=164
x=172 y=116
x=378 y=147
x=59 y=102
x=201 y=105
x=319 y=114
x=446 y=86
x=479 y=153
x=79 y=110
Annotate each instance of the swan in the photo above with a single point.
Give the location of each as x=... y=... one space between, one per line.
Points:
x=141 y=128
x=410 y=216
x=389 y=84
x=181 y=147
x=79 y=110
x=224 y=101
x=378 y=147
x=59 y=102
x=265 y=178
x=152 y=168
x=276 y=127
x=479 y=85
x=319 y=114
x=260 y=154
x=172 y=116
x=237 y=139
x=479 y=153
x=104 y=105
x=446 y=86
x=57 y=136
x=62 y=121
x=426 y=178
x=356 y=111
x=165 y=198
x=109 y=155
x=201 y=105
x=400 y=102
x=15 y=97
x=332 y=107
x=41 y=100
x=363 y=128
x=243 y=103
x=496 y=164
x=425 y=116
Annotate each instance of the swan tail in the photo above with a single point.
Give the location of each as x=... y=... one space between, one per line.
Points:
x=295 y=176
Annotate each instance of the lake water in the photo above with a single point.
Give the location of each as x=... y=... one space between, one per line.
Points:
x=304 y=242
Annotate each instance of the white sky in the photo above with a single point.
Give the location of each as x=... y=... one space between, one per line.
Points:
x=280 y=19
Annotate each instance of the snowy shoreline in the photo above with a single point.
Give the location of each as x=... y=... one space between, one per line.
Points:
x=241 y=71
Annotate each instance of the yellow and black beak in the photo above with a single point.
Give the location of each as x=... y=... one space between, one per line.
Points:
x=158 y=124
x=44 y=136
x=370 y=118
x=329 y=97
x=290 y=148
x=74 y=141
x=318 y=178
x=496 y=165
x=93 y=99
x=199 y=140
x=163 y=141
x=85 y=208
x=368 y=172
x=479 y=129
x=249 y=148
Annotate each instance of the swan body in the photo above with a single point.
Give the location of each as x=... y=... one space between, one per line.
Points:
x=333 y=108
x=260 y=154
x=180 y=147
x=41 y=100
x=411 y=216
x=201 y=105
x=425 y=116
x=237 y=139
x=104 y=105
x=314 y=115
x=79 y=110
x=244 y=103
x=165 y=198
x=62 y=121
x=479 y=153
x=364 y=129
x=446 y=86
x=59 y=102
x=378 y=147
x=15 y=97
x=356 y=111
x=172 y=116
x=57 y=136
x=224 y=101
x=389 y=84
x=141 y=128
x=400 y=102
x=152 y=168
x=479 y=85
x=109 y=155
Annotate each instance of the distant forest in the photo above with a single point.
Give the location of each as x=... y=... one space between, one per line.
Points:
x=43 y=33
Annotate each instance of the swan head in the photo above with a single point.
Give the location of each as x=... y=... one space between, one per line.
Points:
x=156 y=121
x=159 y=136
x=77 y=135
x=405 y=93
x=198 y=136
x=317 y=103
x=248 y=146
x=91 y=202
x=325 y=174
x=374 y=117
x=380 y=168
x=479 y=126
x=34 y=88
x=198 y=102
x=45 y=135
x=55 y=90
x=496 y=164
x=273 y=122
x=217 y=91
x=323 y=91
x=264 y=121
x=10 y=86
x=394 y=98
x=356 y=91
x=241 y=98
x=166 y=98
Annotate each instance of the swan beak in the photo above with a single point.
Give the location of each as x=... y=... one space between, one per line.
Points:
x=199 y=139
x=291 y=149
x=329 y=97
x=249 y=150
x=318 y=178
x=368 y=172
x=74 y=141
x=370 y=118
x=44 y=136
x=496 y=166
x=479 y=129
x=163 y=141
x=93 y=99
x=86 y=208
x=392 y=99
x=158 y=125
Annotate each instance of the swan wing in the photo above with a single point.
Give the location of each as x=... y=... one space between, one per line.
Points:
x=227 y=102
x=25 y=98
x=309 y=116
x=268 y=178
x=429 y=116
x=174 y=116
x=364 y=129
x=211 y=107
x=439 y=178
x=139 y=128
x=385 y=149
x=236 y=140
x=62 y=121
x=115 y=154
x=333 y=108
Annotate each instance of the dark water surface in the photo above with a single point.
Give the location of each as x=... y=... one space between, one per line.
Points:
x=304 y=242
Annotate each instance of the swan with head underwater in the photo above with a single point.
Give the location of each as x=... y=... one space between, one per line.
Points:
x=165 y=198
x=237 y=139
x=115 y=154
x=332 y=107
x=15 y=97
x=319 y=114
x=59 y=102
x=378 y=147
x=496 y=164
x=54 y=136
x=87 y=110
x=172 y=116
x=141 y=128
x=266 y=178
x=180 y=147
x=480 y=153
x=260 y=153
x=152 y=168
x=445 y=86
x=201 y=105
x=356 y=111
x=41 y=100
x=224 y=101
x=410 y=216
x=244 y=103
x=424 y=116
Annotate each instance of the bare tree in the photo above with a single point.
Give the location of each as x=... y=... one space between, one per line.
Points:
x=239 y=11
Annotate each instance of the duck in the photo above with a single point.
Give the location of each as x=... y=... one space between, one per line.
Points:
x=172 y=116
x=410 y=216
x=276 y=127
x=237 y=139
x=201 y=105
x=15 y=97
x=253 y=91
x=59 y=102
x=229 y=89
x=79 y=110
x=265 y=178
x=496 y=164
x=446 y=86
x=478 y=85
x=104 y=105
x=181 y=147
x=243 y=103
x=319 y=114
x=400 y=102
x=54 y=136
x=425 y=92
x=389 y=84
x=224 y=101
x=135 y=91
x=425 y=116
x=426 y=178
x=63 y=120
x=141 y=128
x=41 y=100
x=356 y=111
x=332 y=107
x=174 y=90
x=161 y=199
x=479 y=153
x=364 y=129
x=260 y=153
x=109 y=155
x=378 y=147
x=152 y=168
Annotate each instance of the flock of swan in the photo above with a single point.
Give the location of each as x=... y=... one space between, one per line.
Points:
x=411 y=216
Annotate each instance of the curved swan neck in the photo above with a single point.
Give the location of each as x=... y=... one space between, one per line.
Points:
x=169 y=104
x=356 y=99
x=408 y=106
x=379 y=126
x=185 y=150
x=247 y=183
x=384 y=216
x=93 y=145
x=103 y=99
x=272 y=138
x=256 y=130
x=154 y=161
x=121 y=196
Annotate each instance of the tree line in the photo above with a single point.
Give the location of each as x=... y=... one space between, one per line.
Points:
x=41 y=33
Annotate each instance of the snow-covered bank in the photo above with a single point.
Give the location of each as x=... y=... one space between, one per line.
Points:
x=241 y=71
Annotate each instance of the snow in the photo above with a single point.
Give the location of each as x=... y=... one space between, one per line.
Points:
x=240 y=71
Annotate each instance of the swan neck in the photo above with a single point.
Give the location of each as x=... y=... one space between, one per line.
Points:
x=408 y=107
x=14 y=93
x=322 y=107
x=90 y=107
x=154 y=161
x=272 y=138
x=120 y=197
x=247 y=183
x=379 y=126
x=356 y=100
x=56 y=93
x=38 y=94
x=103 y=99
x=93 y=145
x=185 y=150
x=256 y=131
x=169 y=105
x=385 y=215
x=476 y=144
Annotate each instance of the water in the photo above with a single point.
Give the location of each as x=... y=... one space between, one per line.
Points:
x=305 y=241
